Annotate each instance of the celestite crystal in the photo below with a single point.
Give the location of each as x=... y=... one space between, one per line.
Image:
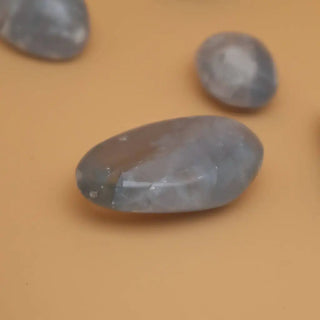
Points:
x=51 y=29
x=179 y=165
x=237 y=69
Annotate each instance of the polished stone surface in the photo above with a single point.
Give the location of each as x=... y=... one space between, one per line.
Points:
x=237 y=69
x=179 y=165
x=50 y=29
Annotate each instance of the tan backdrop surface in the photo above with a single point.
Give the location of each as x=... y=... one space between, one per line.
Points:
x=63 y=258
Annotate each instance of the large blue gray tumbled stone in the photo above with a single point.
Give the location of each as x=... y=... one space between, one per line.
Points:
x=237 y=70
x=51 y=29
x=178 y=165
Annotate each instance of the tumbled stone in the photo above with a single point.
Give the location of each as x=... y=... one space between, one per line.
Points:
x=51 y=29
x=179 y=165
x=237 y=69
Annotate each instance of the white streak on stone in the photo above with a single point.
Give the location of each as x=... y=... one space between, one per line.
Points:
x=93 y=194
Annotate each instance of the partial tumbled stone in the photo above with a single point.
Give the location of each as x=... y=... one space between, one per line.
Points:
x=178 y=165
x=237 y=69
x=51 y=29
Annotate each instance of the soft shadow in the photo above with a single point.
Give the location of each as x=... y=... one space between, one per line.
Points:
x=83 y=209
x=211 y=101
x=10 y=47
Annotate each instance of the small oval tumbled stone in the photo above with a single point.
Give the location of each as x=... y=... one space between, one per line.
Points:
x=50 y=29
x=179 y=165
x=237 y=70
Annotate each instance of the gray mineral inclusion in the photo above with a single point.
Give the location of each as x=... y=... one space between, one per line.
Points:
x=179 y=165
x=237 y=70
x=50 y=29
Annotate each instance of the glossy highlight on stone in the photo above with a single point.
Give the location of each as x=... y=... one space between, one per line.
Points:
x=178 y=165
x=50 y=29
x=237 y=69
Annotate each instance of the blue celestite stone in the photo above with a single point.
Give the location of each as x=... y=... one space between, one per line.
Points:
x=179 y=165
x=237 y=70
x=51 y=29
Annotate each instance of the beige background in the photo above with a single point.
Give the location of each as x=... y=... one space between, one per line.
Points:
x=63 y=258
